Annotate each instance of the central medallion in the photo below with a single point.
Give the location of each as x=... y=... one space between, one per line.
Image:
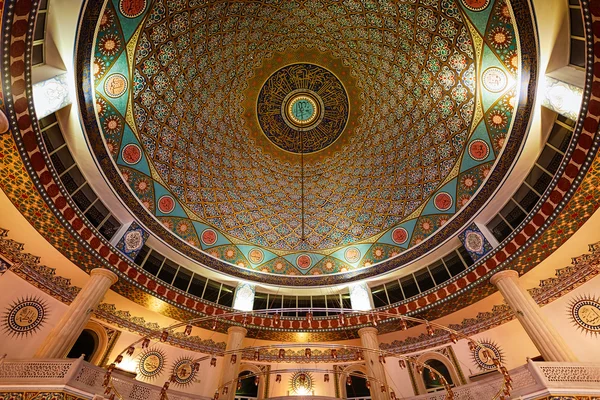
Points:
x=302 y=108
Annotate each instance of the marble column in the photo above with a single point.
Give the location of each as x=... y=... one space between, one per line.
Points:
x=545 y=337
x=229 y=370
x=375 y=369
x=64 y=335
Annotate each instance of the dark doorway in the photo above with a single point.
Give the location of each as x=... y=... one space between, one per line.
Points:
x=432 y=385
x=358 y=388
x=86 y=343
x=248 y=389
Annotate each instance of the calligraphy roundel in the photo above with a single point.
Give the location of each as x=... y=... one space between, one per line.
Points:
x=484 y=354
x=302 y=108
x=586 y=314
x=132 y=8
x=151 y=363
x=183 y=370
x=25 y=317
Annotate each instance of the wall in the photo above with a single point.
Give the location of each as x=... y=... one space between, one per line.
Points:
x=510 y=337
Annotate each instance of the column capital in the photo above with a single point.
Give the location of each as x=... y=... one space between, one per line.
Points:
x=506 y=274
x=105 y=273
x=237 y=329
x=367 y=331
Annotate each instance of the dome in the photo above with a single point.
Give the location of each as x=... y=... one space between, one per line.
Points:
x=342 y=143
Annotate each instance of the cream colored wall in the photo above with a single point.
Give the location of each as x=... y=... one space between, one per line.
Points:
x=512 y=339
x=206 y=379
x=13 y=289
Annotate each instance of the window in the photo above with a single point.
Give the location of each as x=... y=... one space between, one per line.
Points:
x=535 y=184
x=409 y=287
x=577 y=57
x=394 y=292
x=39 y=35
x=226 y=296
x=73 y=180
x=379 y=296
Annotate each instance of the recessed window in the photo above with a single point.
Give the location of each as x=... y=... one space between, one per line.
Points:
x=168 y=271
x=226 y=296
x=39 y=35
x=197 y=285
x=379 y=296
x=409 y=287
x=394 y=292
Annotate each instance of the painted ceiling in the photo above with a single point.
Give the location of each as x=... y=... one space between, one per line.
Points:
x=414 y=107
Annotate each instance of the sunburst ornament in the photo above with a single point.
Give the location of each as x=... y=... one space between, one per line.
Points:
x=151 y=363
x=481 y=355
x=25 y=316
x=183 y=371
x=584 y=312
x=302 y=383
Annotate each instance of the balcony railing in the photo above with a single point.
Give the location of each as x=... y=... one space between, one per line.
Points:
x=530 y=381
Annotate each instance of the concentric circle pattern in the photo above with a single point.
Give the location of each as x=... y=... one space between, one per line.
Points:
x=302 y=108
x=403 y=137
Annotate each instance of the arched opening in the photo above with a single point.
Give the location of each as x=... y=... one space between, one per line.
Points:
x=358 y=389
x=433 y=384
x=87 y=344
x=248 y=389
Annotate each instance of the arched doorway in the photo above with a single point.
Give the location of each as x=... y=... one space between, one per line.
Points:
x=86 y=344
x=358 y=389
x=435 y=384
x=248 y=389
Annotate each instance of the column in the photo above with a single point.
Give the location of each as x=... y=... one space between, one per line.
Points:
x=244 y=296
x=368 y=338
x=64 y=335
x=360 y=297
x=562 y=98
x=230 y=371
x=545 y=337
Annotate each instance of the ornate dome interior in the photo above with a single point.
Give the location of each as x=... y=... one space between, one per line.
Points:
x=414 y=117
x=267 y=199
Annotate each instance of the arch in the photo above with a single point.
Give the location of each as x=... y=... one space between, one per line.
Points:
x=434 y=356
x=358 y=367
x=101 y=342
x=256 y=370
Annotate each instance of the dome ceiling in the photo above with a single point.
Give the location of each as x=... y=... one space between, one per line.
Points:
x=305 y=138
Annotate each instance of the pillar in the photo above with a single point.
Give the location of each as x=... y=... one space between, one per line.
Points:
x=244 y=296
x=64 y=335
x=545 y=337
x=368 y=338
x=360 y=297
x=230 y=371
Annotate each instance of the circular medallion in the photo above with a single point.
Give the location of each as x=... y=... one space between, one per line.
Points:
x=302 y=383
x=481 y=355
x=399 y=236
x=586 y=313
x=474 y=242
x=115 y=85
x=443 y=201
x=132 y=8
x=166 y=204
x=256 y=256
x=479 y=150
x=476 y=5
x=151 y=363
x=303 y=261
x=134 y=240
x=494 y=80
x=352 y=254
x=25 y=316
x=302 y=108
x=209 y=237
x=184 y=371
x=131 y=154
